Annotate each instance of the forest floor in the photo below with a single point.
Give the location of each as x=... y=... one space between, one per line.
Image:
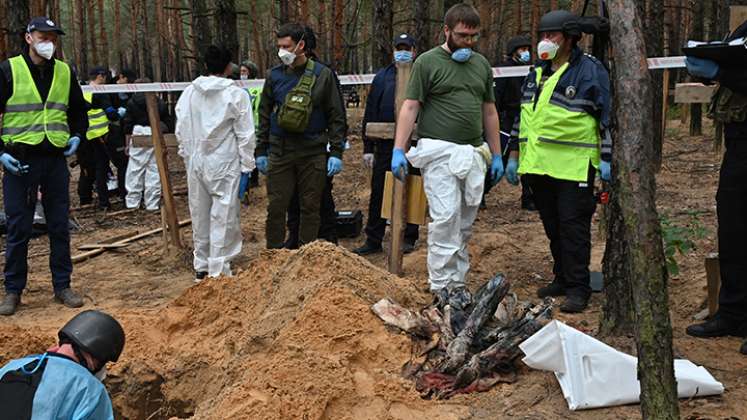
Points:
x=292 y=335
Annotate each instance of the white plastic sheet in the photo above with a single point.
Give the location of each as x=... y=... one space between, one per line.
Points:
x=593 y=374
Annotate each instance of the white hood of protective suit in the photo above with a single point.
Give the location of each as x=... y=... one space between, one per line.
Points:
x=214 y=124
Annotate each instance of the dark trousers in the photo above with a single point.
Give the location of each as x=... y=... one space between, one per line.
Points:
x=115 y=146
x=566 y=209
x=526 y=191
x=93 y=158
x=327 y=218
x=50 y=174
x=286 y=174
x=731 y=207
x=376 y=225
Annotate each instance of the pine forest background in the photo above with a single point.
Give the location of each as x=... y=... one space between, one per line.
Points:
x=161 y=39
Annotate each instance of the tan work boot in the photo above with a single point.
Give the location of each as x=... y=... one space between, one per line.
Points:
x=9 y=304
x=69 y=298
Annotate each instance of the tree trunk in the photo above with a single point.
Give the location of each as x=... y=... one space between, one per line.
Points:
x=80 y=38
x=422 y=41
x=200 y=31
x=258 y=56
x=102 y=35
x=499 y=22
x=634 y=185
x=535 y=21
x=225 y=19
x=517 y=16
x=654 y=12
x=118 y=56
x=696 y=110
x=338 y=28
x=91 y=31
x=134 y=41
x=17 y=17
x=285 y=15
x=3 y=34
x=382 y=32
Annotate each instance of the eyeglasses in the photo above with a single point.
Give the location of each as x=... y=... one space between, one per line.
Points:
x=467 y=37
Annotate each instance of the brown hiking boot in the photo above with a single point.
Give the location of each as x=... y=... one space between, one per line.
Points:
x=69 y=298
x=9 y=304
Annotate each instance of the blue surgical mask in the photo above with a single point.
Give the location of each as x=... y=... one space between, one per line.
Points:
x=403 y=56
x=461 y=55
x=524 y=56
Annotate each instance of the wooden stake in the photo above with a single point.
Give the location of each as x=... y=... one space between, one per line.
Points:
x=664 y=104
x=170 y=225
x=399 y=198
x=713 y=279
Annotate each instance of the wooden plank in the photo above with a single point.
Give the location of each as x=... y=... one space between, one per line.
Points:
x=85 y=247
x=146 y=141
x=399 y=197
x=417 y=204
x=385 y=131
x=137 y=236
x=693 y=93
x=737 y=15
x=169 y=204
x=713 y=279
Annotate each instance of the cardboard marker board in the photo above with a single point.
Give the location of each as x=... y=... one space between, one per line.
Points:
x=417 y=205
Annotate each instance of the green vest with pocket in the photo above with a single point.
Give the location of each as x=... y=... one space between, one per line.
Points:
x=27 y=119
x=98 y=123
x=554 y=140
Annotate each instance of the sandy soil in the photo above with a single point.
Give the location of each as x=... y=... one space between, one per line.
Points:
x=292 y=336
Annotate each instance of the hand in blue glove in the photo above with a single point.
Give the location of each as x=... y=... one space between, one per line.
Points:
x=605 y=171
x=496 y=169
x=121 y=111
x=512 y=171
x=399 y=164
x=334 y=166
x=72 y=146
x=12 y=164
x=244 y=183
x=262 y=165
x=699 y=67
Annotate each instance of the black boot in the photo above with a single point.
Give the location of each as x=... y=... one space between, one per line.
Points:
x=368 y=248
x=574 y=304
x=743 y=349
x=717 y=327
x=10 y=304
x=552 y=289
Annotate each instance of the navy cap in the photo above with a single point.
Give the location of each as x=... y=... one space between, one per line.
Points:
x=404 y=39
x=43 y=24
x=98 y=70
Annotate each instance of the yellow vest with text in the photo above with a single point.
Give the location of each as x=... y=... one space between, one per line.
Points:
x=98 y=124
x=27 y=119
x=556 y=138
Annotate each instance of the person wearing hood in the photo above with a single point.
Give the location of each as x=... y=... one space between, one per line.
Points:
x=66 y=381
x=300 y=114
x=559 y=142
x=142 y=181
x=218 y=152
x=117 y=143
x=508 y=101
x=43 y=122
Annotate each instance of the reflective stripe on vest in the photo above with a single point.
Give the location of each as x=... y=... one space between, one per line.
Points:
x=29 y=120
x=98 y=124
x=557 y=137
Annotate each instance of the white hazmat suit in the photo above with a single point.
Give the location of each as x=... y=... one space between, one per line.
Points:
x=215 y=131
x=453 y=178
x=142 y=179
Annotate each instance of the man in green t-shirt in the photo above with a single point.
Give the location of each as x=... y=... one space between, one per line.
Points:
x=451 y=94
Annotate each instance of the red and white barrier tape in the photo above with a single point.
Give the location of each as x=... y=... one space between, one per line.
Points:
x=656 y=63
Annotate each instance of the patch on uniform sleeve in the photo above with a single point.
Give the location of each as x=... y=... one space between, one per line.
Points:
x=570 y=92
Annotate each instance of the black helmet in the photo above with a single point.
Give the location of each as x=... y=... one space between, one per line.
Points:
x=96 y=333
x=560 y=20
x=517 y=42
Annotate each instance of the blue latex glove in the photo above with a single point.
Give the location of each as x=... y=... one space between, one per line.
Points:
x=605 y=171
x=72 y=146
x=121 y=111
x=244 y=183
x=700 y=67
x=496 y=169
x=512 y=171
x=334 y=166
x=12 y=164
x=262 y=165
x=399 y=164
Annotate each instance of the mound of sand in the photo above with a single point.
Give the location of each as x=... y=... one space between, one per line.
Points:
x=291 y=337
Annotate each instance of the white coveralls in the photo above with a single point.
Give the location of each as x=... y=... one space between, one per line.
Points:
x=215 y=131
x=142 y=174
x=453 y=177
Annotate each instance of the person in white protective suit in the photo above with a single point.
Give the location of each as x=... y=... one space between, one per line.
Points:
x=142 y=181
x=215 y=131
x=451 y=93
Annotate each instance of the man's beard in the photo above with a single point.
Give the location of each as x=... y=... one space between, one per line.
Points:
x=451 y=44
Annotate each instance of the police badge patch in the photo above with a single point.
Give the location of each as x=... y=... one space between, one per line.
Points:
x=570 y=92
